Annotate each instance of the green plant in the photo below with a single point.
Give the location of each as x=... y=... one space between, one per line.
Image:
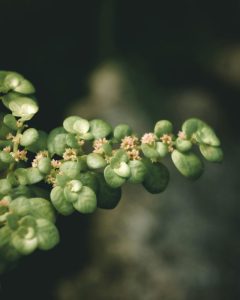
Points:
x=85 y=163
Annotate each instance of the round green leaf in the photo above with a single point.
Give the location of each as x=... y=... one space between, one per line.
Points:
x=100 y=128
x=122 y=170
x=188 y=164
x=22 y=245
x=157 y=177
x=56 y=142
x=33 y=175
x=10 y=121
x=191 y=126
x=112 y=179
x=81 y=126
x=69 y=195
x=119 y=156
x=47 y=234
x=206 y=135
x=150 y=151
x=75 y=186
x=44 y=165
x=138 y=171
x=162 y=149
x=107 y=197
x=95 y=161
x=29 y=137
x=87 y=201
x=121 y=131
x=183 y=145
x=59 y=201
x=36 y=207
x=25 y=87
x=213 y=154
x=21 y=106
x=16 y=82
x=40 y=144
x=5 y=236
x=71 y=168
x=41 y=208
x=72 y=141
x=5 y=186
x=21 y=175
x=6 y=157
x=89 y=179
x=163 y=127
x=12 y=80
x=12 y=221
x=68 y=123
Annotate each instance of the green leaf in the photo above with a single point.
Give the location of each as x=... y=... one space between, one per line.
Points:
x=207 y=136
x=33 y=175
x=88 y=136
x=56 y=142
x=81 y=126
x=21 y=191
x=16 y=82
x=100 y=128
x=183 y=145
x=150 y=151
x=62 y=179
x=157 y=177
x=121 y=131
x=59 y=201
x=112 y=179
x=88 y=179
x=119 y=156
x=21 y=106
x=12 y=221
x=69 y=195
x=36 y=207
x=162 y=149
x=72 y=141
x=44 y=165
x=25 y=87
x=5 y=236
x=69 y=124
x=6 y=157
x=29 y=137
x=5 y=186
x=122 y=170
x=163 y=127
x=10 y=121
x=188 y=164
x=75 y=186
x=41 y=208
x=213 y=154
x=22 y=245
x=47 y=234
x=72 y=189
x=41 y=143
x=87 y=201
x=95 y=161
x=107 y=197
x=138 y=171
x=191 y=126
x=70 y=168
x=21 y=175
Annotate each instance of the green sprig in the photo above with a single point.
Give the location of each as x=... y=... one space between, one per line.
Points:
x=85 y=163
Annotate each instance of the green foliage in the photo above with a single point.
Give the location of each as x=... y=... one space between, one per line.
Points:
x=85 y=163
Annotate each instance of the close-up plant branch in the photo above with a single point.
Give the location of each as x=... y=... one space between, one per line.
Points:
x=80 y=166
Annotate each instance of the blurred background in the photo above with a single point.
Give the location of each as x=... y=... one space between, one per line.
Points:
x=136 y=62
